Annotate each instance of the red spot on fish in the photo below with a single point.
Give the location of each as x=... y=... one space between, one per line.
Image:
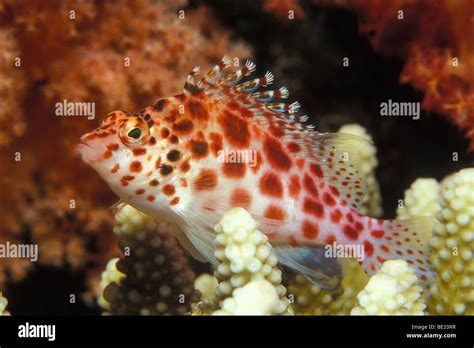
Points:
x=183 y=126
x=174 y=139
x=316 y=170
x=152 y=141
x=136 y=167
x=328 y=199
x=160 y=104
x=174 y=201
x=216 y=143
x=164 y=132
x=314 y=208
x=310 y=231
x=234 y=170
x=115 y=168
x=293 y=241
x=270 y=185
x=140 y=151
x=349 y=217
x=107 y=154
x=350 y=233
x=409 y=251
x=294 y=147
x=169 y=189
x=382 y=260
x=359 y=227
x=199 y=148
x=336 y=216
x=128 y=177
x=385 y=248
x=235 y=129
x=308 y=184
x=113 y=147
x=173 y=156
x=150 y=198
x=154 y=182
x=334 y=191
x=240 y=198
x=276 y=131
x=206 y=180
x=275 y=154
x=166 y=169
x=274 y=212
x=185 y=166
x=197 y=110
x=369 y=248
x=244 y=112
x=172 y=116
x=300 y=163
x=330 y=239
x=140 y=191
x=377 y=233
x=158 y=163
x=294 y=187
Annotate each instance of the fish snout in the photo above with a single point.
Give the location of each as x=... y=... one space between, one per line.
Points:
x=89 y=149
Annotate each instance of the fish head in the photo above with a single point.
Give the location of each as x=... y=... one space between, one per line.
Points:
x=125 y=152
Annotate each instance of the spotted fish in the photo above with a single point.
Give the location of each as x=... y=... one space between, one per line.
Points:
x=302 y=186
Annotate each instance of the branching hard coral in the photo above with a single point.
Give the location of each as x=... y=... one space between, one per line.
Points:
x=156 y=277
x=453 y=247
x=421 y=199
x=12 y=89
x=3 y=305
x=309 y=299
x=206 y=284
x=244 y=255
x=110 y=275
x=258 y=297
x=372 y=204
x=392 y=290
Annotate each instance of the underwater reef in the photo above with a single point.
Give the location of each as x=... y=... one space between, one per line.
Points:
x=127 y=54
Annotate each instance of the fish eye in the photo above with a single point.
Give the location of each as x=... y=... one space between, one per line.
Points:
x=135 y=133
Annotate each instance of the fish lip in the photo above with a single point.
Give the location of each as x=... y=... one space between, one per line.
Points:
x=84 y=149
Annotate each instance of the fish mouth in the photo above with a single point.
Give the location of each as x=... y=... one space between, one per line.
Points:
x=87 y=152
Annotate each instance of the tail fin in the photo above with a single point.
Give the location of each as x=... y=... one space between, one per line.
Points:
x=400 y=239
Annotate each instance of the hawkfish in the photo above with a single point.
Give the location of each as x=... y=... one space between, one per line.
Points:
x=303 y=187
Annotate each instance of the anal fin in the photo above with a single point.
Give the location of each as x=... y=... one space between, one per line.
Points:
x=311 y=262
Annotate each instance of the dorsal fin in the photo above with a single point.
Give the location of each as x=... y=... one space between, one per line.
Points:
x=224 y=83
x=335 y=154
